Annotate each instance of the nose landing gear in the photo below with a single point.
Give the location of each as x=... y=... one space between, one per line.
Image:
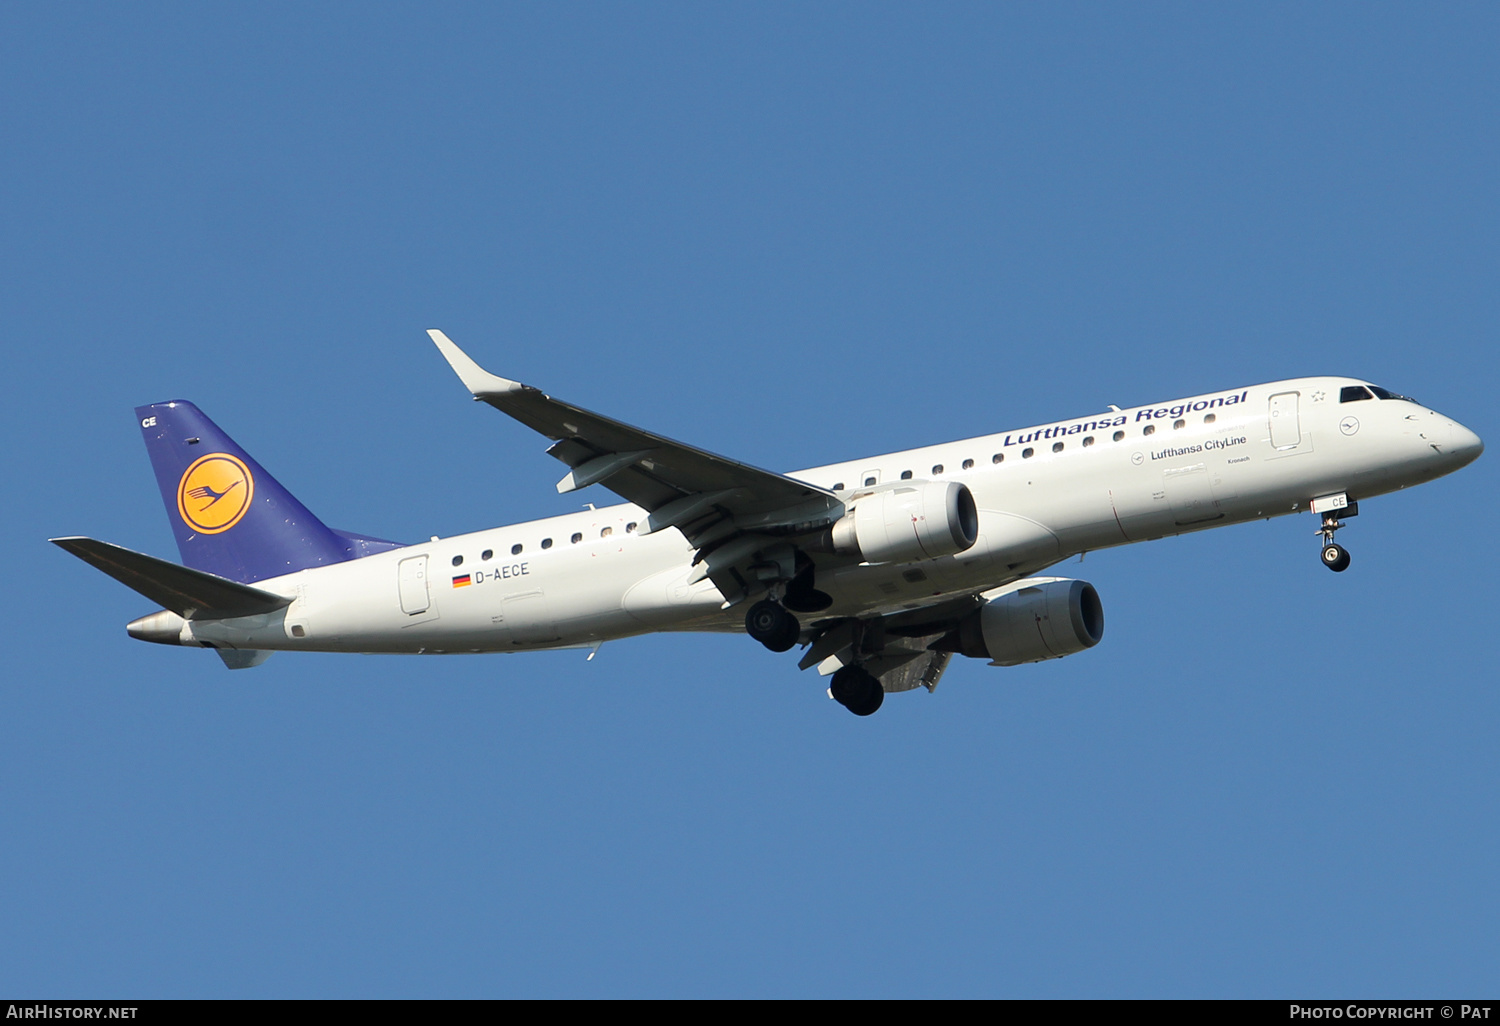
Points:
x=1335 y=557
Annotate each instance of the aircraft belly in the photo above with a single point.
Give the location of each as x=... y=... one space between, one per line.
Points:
x=863 y=589
x=666 y=598
x=858 y=590
x=1014 y=540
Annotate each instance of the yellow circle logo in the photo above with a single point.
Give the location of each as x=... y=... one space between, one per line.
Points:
x=214 y=493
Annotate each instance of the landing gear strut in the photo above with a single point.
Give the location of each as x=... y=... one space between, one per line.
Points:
x=857 y=690
x=770 y=624
x=1335 y=557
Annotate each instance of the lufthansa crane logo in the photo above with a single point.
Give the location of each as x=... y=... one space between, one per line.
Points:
x=214 y=493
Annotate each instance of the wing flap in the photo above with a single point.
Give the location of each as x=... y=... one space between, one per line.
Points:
x=923 y=671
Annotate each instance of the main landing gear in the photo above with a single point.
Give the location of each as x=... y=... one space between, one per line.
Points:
x=853 y=687
x=857 y=690
x=1335 y=557
x=770 y=624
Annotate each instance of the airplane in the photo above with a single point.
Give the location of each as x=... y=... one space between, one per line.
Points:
x=882 y=568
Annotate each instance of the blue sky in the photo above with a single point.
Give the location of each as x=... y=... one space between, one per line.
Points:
x=793 y=234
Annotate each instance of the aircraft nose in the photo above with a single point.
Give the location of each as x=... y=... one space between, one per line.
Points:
x=1464 y=445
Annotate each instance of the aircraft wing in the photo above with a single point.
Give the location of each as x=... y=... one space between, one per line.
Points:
x=709 y=498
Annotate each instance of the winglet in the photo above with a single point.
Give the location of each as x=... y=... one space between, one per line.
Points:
x=475 y=378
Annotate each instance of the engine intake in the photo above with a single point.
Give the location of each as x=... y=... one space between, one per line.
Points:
x=923 y=520
x=1043 y=618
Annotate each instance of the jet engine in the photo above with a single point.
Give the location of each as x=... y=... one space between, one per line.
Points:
x=923 y=520
x=1039 y=618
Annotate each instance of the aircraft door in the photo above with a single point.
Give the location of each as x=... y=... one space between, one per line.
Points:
x=1286 y=432
x=412 y=574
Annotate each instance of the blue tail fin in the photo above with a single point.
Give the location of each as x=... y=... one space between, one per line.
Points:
x=230 y=517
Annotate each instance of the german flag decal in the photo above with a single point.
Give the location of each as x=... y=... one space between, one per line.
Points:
x=462 y=582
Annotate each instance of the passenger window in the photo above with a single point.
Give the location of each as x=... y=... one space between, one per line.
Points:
x=1150 y=429
x=546 y=543
x=869 y=481
x=905 y=475
x=515 y=550
x=1057 y=447
x=577 y=537
x=999 y=457
x=968 y=464
x=606 y=532
x=1210 y=418
x=1354 y=393
x=487 y=554
x=630 y=527
x=1179 y=425
x=937 y=468
x=458 y=561
x=1119 y=436
x=1088 y=441
x=1027 y=453
x=838 y=486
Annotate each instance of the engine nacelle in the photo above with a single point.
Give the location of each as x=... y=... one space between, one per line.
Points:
x=923 y=520
x=1042 y=618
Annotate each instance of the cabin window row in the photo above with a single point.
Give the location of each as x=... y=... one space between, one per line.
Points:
x=546 y=543
x=1027 y=453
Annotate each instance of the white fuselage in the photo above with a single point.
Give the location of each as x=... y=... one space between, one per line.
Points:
x=1043 y=493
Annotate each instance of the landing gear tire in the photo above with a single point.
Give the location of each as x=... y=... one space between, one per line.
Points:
x=1336 y=558
x=772 y=626
x=857 y=690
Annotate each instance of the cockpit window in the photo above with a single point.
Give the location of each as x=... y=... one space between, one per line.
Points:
x=1354 y=393
x=1383 y=393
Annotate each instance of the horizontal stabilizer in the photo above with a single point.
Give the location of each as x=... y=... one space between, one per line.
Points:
x=191 y=594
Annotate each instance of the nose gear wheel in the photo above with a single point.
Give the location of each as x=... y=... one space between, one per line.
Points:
x=1335 y=558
